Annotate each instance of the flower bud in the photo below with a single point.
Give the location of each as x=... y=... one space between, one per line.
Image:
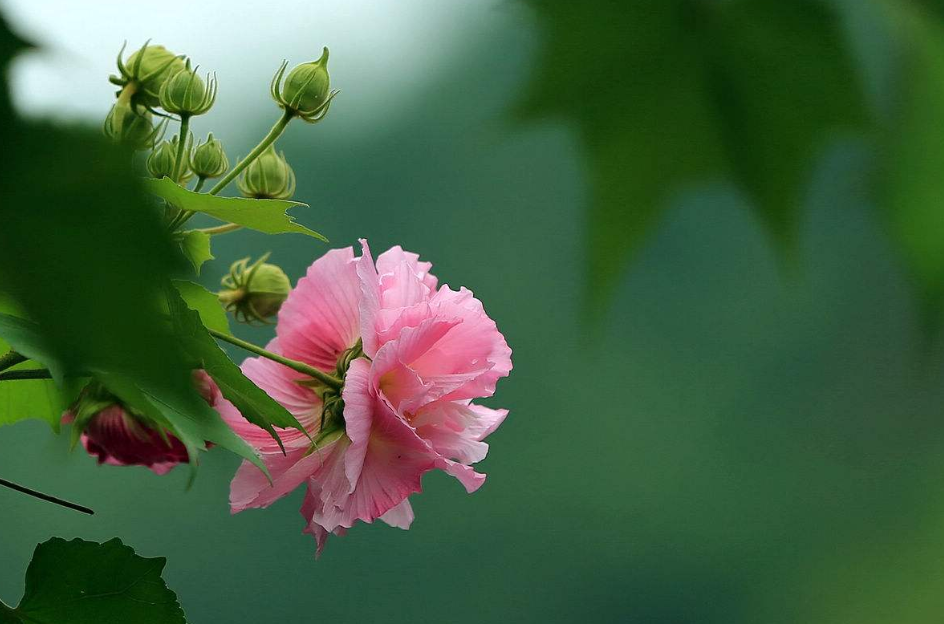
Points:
x=268 y=177
x=162 y=161
x=254 y=292
x=131 y=124
x=186 y=94
x=118 y=435
x=306 y=91
x=146 y=70
x=208 y=160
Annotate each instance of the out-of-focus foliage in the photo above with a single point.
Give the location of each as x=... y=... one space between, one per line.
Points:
x=89 y=583
x=670 y=94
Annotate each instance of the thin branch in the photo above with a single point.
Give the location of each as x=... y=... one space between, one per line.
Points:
x=25 y=374
x=45 y=497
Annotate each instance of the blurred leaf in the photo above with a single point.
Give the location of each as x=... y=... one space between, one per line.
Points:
x=205 y=303
x=262 y=215
x=252 y=402
x=914 y=153
x=88 y=261
x=83 y=582
x=196 y=247
x=10 y=46
x=669 y=93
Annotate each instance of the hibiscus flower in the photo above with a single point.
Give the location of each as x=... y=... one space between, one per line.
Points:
x=410 y=357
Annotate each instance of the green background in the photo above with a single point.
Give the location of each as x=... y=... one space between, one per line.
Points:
x=739 y=439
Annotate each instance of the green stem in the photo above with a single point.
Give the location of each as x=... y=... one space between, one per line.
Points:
x=301 y=367
x=199 y=185
x=181 y=144
x=11 y=359
x=269 y=139
x=221 y=229
x=25 y=374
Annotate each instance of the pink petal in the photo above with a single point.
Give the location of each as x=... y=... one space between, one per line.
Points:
x=400 y=516
x=388 y=261
x=369 y=306
x=320 y=319
x=250 y=488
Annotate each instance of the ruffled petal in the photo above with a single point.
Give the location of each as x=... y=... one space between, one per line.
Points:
x=388 y=469
x=321 y=318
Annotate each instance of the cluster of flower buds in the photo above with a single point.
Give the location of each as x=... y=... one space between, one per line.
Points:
x=150 y=78
x=268 y=177
x=254 y=292
x=306 y=91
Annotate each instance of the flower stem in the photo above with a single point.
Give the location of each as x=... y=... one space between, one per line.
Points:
x=269 y=139
x=10 y=359
x=181 y=145
x=199 y=185
x=301 y=367
x=25 y=374
x=45 y=497
x=221 y=229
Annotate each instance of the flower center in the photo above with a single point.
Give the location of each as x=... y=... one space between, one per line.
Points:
x=332 y=408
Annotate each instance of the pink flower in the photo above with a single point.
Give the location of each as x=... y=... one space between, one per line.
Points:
x=118 y=437
x=412 y=355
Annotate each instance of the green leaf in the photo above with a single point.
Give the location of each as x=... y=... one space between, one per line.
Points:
x=83 y=582
x=30 y=398
x=262 y=215
x=196 y=247
x=668 y=94
x=205 y=303
x=252 y=402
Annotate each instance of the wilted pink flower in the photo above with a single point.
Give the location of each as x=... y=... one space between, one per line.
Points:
x=115 y=435
x=412 y=356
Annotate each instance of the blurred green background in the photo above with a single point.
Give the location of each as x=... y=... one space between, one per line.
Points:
x=737 y=438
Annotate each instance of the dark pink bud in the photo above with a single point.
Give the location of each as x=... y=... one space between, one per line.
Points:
x=117 y=438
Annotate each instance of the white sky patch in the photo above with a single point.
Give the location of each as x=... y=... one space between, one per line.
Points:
x=380 y=49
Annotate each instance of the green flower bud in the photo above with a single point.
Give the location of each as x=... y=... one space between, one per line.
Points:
x=306 y=91
x=186 y=94
x=208 y=160
x=146 y=70
x=131 y=124
x=268 y=177
x=254 y=292
x=161 y=161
